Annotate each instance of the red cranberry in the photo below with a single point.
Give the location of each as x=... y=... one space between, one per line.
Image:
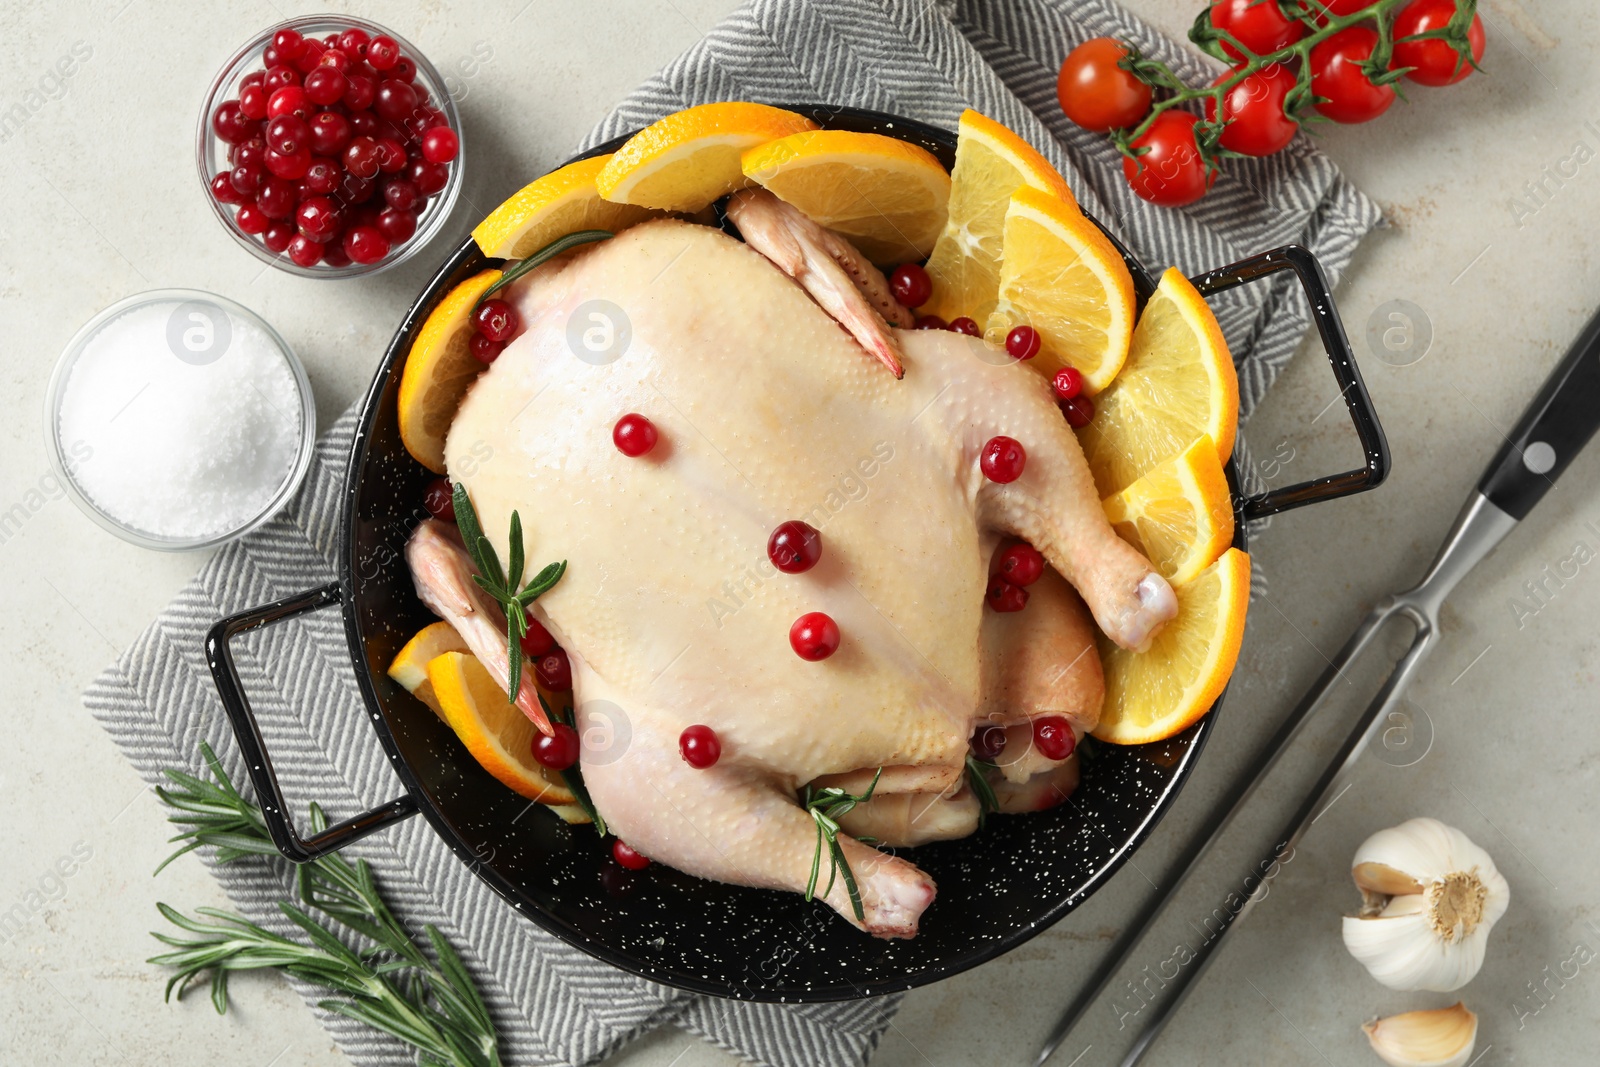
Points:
x=1003 y=459
x=253 y=101
x=440 y=500
x=326 y=86
x=910 y=285
x=359 y=92
x=483 y=350
x=354 y=190
x=557 y=750
x=322 y=177
x=794 y=547
x=634 y=435
x=354 y=41
x=330 y=132
x=230 y=123
x=988 y=742
x=287 y=133
x=246 y=178
x=290 y=100
x=496 y=320
x=402 y=194
x=930 y=322
x=334 y=59
x=1021 y=564
x=251 y=151
x=397 y=226
x=429 y=177
x=222 y=189
x=304 y=252
x=1067 y=383
x=287 y=41
x=395 y=99
x=255 y=77
x=405 y=69
x=365 y=244
x=1023 y=342
x=699 y=746
x=279 y=77
x=362 y=156
x=334 y=255
x=1004 y=596
x=319 y=218
x=276 y=198
x=1079 y=411
x=966 y=326
x=382 y=52
x=1052 y=735
x=554 y=670
x=391 y=155
x=538 y=641
x=277 y=236
x=309 y=58
x=250 y=219
x=291 y=165
x=814 y=636
x=628 y=857
x=440 y=144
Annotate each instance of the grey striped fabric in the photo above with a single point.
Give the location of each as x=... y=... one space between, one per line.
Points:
x=555 y=1005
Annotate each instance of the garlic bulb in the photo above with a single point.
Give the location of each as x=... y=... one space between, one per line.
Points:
x=1442 y=1038
x=1430 y=896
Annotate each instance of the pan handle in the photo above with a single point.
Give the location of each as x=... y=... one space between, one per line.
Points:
x=274 y=809
x=1343 y=361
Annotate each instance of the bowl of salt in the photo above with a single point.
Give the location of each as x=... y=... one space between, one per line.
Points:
x=178 y=419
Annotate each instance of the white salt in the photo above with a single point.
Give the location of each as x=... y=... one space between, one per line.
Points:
x=189 y=416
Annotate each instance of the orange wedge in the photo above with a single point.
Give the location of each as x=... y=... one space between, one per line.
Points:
x=1062 y=276
x=991 y=164
x=497 y=734
x=690 y=158
x=1180 y=514
x=440 y=368
x=562 y=202
x=887 y=196
x=1177 y=384
x=1152 y=695
x=410 y=666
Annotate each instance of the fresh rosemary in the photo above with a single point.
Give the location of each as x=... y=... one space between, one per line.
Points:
x=980 y=785
x=572 y=776
x=544 y=255
x=503 y=587
x=826 y=807
x=390 y=982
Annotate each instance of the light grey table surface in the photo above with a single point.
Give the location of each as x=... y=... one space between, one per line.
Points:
x=101 y=201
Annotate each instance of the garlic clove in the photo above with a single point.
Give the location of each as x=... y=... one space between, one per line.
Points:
x=1378 y=881
x=1439 y=1038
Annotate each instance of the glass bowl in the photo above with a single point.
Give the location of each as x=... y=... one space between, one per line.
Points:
x=67 y=458
x=211 y=151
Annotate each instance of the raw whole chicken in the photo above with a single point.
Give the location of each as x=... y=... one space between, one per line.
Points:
x=773 y=373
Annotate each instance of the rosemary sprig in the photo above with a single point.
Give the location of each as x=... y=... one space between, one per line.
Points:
x=979 y=782
x=826 y=807
x=501 y=586
x=544 y=255
x=572 y=776
x=390 y=983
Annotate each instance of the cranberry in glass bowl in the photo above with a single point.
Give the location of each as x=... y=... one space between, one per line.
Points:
x=237 y=129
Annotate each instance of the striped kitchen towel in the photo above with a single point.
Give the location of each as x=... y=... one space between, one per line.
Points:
x=553 y=1004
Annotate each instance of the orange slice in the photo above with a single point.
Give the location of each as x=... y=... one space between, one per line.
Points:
x=1180 y=515
x=410 y=666
x=1177 y=384
x=690 y=158
x=562 y=202
x=1155 y=694
x=1062 y=276
x=497 y=734
x=991 y=164
x=887 y=196
x=440 y=368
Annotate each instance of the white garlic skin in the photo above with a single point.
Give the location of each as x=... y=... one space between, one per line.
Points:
x=1410 y=943
x=1441 y=1038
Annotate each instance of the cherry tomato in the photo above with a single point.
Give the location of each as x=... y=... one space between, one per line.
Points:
x=1259 y=25
x=1435 y=62
x=1096 y=93
x=1172 y=173
x=1253 y=109
x=1337 y=75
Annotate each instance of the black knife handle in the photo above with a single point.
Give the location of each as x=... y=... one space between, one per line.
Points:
x=1551 y=432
